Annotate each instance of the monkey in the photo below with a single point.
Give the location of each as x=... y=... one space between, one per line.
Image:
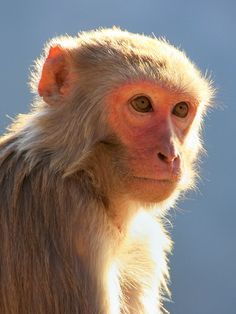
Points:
x=111 y=142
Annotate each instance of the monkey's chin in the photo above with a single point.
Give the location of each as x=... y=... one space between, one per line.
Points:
x=152 y=190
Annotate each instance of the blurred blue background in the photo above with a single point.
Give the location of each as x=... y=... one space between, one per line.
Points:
x=203 y=265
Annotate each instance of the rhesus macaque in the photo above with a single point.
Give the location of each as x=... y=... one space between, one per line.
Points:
x=86 y=177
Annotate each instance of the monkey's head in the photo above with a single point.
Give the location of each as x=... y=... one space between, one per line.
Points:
x=122 y=106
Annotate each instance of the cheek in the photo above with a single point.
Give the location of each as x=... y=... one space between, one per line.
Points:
x=132 y=131
x=141 y=153
x=138 y=140
x=188 y=168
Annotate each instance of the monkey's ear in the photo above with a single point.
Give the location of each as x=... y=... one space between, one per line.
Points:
x=54 y=82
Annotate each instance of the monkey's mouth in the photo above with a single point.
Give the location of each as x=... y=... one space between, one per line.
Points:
x=165 y=181
x=172 y=178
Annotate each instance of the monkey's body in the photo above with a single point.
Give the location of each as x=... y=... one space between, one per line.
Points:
x=86 y=177
x=41 y=272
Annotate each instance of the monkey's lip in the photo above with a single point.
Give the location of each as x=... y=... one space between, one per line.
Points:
x=169 y=180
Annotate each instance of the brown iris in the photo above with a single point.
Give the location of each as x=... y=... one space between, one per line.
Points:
x=181 y=109
x=141 y=104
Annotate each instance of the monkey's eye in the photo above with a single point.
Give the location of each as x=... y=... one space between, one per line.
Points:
x=141 y=104
x=181 y=109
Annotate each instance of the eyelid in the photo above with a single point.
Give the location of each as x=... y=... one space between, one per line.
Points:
x=139 y=95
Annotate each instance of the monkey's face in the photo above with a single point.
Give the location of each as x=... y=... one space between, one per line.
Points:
x=151 y=123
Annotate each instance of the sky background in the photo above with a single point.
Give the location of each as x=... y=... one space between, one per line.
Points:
x=203 y=264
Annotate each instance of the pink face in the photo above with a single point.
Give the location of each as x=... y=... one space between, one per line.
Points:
x=151 y=122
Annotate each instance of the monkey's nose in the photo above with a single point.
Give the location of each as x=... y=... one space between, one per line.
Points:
x=168 y=158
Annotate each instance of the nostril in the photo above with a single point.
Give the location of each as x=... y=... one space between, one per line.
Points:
x=162 y=157
x=167 y=159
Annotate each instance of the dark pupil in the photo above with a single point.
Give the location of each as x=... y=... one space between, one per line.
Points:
x=145 y=103
x=141 y=104
x=181 y=109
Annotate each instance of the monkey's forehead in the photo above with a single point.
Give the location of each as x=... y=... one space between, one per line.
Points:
x=114 y=54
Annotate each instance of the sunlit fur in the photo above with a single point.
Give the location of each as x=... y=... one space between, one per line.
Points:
x=69 y=243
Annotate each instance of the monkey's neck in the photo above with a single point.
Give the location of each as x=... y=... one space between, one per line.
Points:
x=121 y=211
